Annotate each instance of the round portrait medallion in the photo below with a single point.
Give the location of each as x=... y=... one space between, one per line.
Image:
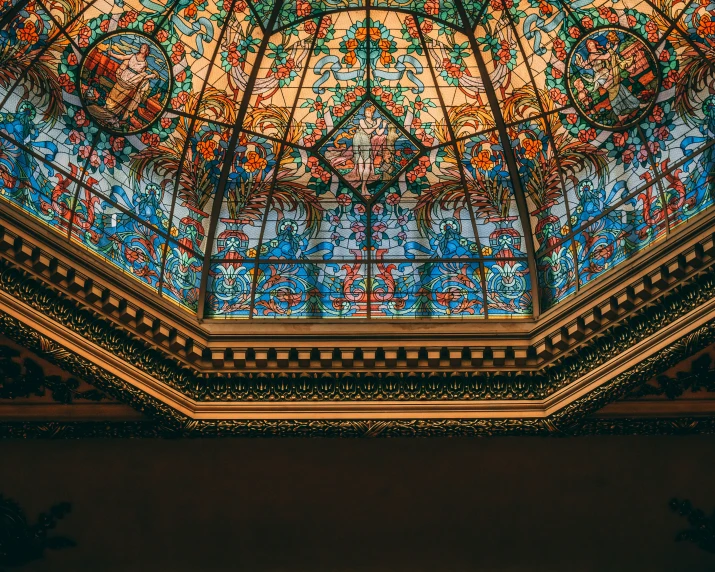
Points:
x=125 y=82
x=613 y=78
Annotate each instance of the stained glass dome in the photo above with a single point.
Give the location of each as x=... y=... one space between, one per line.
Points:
x=342 y=158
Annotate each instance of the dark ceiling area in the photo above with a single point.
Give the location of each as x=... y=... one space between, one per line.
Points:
x=300 y=505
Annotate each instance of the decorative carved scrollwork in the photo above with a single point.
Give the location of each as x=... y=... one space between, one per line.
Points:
x=22 y=542
x=701 y=377
x=702 y=527
x=25 y=377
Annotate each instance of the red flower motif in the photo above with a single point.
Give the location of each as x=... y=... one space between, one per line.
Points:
x=66 y=83
x=162 y=36
x=501 y=5
x=393 y=199
x=80 y=119
x=309 y=27
x=608 y=14
x=149 y=26
x=75 y=137
x=560 y=49
x=558 y=96
x=165 y=122
x=117 y=143
x=108 y=158
x=587 y=23
x=150 y=139
x=587 y=135
x=302 y=9
x=662 y=133
x=324 y=26
x=72 y=59
x=628 y=155
x=620 y=139
x=344 y=199
x=671 y=79
x=657 y=114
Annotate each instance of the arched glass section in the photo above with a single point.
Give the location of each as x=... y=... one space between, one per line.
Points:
x=343 y=159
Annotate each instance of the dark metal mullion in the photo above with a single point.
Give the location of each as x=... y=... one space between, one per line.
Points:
x=460 y=167
x=507 y=124
x=194 y=119
x=41 y=52
x=60 y=27
x=389 y=260
x=274 y=183
x=368 y=4
x=550 y=135
x=368 y=212
x=80 y=184
x=259 y=21
x=658 y=182
x=571 y=16
x=41 y=158
x=634 y=193
x=673 y=22
x=683 y=33
x=674 y=27
x=161 y=233
x=230 y=152
x=510 y=159
x=478 y=20
x=13 y=12
x=164 y=18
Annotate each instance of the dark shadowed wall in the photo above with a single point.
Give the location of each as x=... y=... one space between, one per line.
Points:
x=506 y=504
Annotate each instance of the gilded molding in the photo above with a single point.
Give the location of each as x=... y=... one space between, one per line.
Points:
x=190 y=343
x=331 y=386
x=687 y=282
x=170 y=422
x=353 y=429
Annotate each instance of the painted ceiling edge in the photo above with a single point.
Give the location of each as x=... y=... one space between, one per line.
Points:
x=630 y=324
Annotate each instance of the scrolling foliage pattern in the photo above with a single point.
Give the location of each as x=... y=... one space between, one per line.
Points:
x=375 y=386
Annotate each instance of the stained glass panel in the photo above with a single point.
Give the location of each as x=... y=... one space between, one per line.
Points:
x=339 y=159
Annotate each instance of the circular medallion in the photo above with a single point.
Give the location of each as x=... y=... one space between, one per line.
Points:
x=125 y=82
x=613 y=78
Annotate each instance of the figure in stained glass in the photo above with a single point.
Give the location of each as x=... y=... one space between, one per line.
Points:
x=125 y=81
x=368 y=141
x=21 y=176
x=613 y=78
x=368 y=150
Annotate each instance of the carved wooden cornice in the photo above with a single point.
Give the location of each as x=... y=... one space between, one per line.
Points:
x=315 y=346
x=627 y=329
